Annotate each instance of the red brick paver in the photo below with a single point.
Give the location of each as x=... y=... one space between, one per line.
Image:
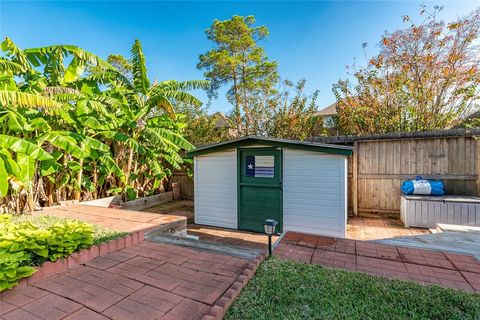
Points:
x=445 y=269
x=117 y=219
x=145 y=281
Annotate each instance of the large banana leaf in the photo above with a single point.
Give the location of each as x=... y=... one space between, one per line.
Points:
x=27 y=100
x=3 y=179
x=11 y=165
x=7 y=66
x=91 y=142
x=181 y=96
x=15 y=53
x=75 y=70
x=111 y=166
x=184 y=85
x=54 y=68
x=162 y=102
x=140 y=78
x=105 y=77
x=27 y=169
x=64 y=142
x=14 y=121
x=41 y=55
x=51 y=166
x=19 y=145
x=173 y=138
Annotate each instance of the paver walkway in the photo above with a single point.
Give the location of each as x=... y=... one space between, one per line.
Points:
x=145 y=281
x=424 y=266
x=117 y=219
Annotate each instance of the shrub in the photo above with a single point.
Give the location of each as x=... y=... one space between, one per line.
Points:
x=68 y=237
x=24 y=244
x=11 y=268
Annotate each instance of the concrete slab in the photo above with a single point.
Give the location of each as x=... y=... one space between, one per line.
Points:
x=450 y=241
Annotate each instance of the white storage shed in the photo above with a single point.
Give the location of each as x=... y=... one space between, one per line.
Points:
x=303 y=185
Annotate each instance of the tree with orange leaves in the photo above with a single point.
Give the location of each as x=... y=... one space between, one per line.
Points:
x=425 y=77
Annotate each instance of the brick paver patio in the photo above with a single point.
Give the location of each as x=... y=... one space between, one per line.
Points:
x=145 y=281
x=117 y=219
x=424 y=266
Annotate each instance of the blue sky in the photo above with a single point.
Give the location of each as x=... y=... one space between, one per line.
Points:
x=314 y=40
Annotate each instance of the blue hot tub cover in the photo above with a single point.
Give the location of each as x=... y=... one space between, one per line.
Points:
x=423 y=187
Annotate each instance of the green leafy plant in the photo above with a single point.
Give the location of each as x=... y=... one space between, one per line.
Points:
x=24 y=244
x=68 y=237
x=73 y=126
x=12 y=268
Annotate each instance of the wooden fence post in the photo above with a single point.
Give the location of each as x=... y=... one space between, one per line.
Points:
x=477 y=163
x=355 y=179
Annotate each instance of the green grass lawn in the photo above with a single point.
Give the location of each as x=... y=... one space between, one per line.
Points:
x=100 y=234
x=290 y=290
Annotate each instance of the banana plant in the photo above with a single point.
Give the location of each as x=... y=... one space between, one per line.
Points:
x=147 y=117
x=71 y=120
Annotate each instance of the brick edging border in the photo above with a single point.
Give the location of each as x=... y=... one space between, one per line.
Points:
x=49 y=268
x=218 y=310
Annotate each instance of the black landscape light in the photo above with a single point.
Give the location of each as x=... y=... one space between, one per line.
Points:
x=269 y=226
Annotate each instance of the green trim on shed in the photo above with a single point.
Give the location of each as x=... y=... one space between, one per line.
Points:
x=247 y=141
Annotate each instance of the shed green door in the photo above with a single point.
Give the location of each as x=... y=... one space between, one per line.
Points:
x=259 y=188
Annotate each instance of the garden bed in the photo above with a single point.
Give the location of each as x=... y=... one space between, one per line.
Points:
x=43 y=245
x=290 y=290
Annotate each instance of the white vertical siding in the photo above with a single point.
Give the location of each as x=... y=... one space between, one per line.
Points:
x=314 y=192
x=216 y=189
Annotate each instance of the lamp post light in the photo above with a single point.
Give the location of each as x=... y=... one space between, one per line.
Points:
x=269 y=227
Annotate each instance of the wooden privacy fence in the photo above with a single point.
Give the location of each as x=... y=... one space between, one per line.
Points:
x=380 y=163
x=186 y=184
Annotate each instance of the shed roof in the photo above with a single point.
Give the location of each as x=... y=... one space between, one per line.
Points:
x=250 y=140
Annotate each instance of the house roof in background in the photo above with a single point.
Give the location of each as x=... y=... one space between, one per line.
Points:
x=331 y=110
x=251 y=140
x=221 y=120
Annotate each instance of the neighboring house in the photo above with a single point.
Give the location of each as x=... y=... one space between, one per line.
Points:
x=472 y=120
x=222 y=121
x=328 y=115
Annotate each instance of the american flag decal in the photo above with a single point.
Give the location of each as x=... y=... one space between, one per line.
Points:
x=260 y=166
